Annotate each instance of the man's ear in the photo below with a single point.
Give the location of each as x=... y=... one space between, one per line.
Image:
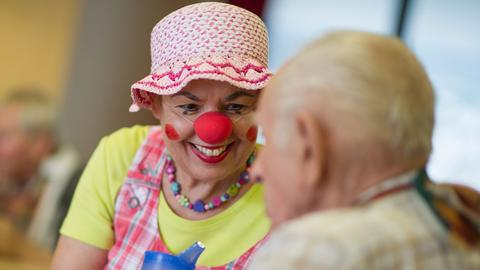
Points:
x=312 y=147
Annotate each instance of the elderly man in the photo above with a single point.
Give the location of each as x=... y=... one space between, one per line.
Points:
x=35 y=169
x=348 y=125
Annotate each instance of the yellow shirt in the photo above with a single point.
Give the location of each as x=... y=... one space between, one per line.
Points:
x=90 y=218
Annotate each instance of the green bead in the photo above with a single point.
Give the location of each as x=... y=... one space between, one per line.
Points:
x=232 y=190
x=183 y=200
x=251 y=159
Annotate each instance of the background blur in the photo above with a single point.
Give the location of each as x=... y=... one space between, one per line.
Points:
x=444 y=34
x=85 y=54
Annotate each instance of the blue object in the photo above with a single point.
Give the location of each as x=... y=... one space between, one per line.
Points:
x=175 y=187
x=186 y=260
x=199 y=206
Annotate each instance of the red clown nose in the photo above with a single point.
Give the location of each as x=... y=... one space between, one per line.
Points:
x=213 y=127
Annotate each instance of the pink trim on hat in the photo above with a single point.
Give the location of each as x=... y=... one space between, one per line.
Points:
x=163 y=87
x=171 y=84
x=208 y=40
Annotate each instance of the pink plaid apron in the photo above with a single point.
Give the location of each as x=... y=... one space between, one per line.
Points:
x=135 y=222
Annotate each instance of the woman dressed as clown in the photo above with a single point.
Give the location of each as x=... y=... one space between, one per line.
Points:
x=165 y=187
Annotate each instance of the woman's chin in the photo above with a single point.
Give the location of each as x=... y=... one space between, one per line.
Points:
x=208 y=171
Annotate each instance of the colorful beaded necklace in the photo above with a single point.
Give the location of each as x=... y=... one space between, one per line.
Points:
x=199 y=205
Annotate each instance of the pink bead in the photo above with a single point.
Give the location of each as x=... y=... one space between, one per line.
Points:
x=171 y=177
x=171 y=170
x=217 y=201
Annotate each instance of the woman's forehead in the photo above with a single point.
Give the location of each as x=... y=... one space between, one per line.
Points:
x=204 y=89
x=202 y=84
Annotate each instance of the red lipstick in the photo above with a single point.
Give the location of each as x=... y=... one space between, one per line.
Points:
x=211 y=159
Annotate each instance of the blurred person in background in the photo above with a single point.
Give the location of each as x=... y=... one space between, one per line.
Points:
x=35 y=168
x=165 y=187
x=348 y=125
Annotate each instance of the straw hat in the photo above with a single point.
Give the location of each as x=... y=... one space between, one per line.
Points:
x=208 y=40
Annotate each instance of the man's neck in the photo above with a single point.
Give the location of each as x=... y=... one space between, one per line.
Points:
x=346 y=186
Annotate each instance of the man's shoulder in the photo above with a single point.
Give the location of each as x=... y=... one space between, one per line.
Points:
x=380 y=220
x=372 y=236
x=357 y=235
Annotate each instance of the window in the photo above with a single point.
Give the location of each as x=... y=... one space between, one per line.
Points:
x=444 y=34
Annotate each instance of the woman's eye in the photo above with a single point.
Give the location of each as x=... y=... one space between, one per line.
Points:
x=235 y=108
x=189 y=108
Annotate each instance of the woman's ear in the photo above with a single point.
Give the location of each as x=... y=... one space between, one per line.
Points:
x=156 y=105
x=312 y=147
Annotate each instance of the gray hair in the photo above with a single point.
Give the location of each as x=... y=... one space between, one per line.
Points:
x=369 y=86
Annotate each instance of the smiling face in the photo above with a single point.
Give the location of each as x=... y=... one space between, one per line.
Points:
x=208 y=128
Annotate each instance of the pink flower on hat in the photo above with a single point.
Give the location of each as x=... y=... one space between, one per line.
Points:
x=209 y=40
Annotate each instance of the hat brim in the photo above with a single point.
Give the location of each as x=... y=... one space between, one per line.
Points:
x=249 y=75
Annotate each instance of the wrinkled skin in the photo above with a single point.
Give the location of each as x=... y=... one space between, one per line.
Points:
x=178 y=112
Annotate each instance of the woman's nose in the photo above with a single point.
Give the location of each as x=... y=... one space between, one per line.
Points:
x=213 y=127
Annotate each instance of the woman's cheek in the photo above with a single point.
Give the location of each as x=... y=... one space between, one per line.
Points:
x=251 y=134
x=246 y=129
x=171 y=132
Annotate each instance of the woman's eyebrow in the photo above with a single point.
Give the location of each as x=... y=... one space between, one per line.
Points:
x=188 y=95
x=239 y=94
